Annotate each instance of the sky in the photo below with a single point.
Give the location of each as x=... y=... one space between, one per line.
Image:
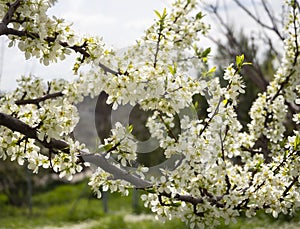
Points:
x=120 y=23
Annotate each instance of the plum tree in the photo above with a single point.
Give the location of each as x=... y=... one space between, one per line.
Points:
x=220 y=171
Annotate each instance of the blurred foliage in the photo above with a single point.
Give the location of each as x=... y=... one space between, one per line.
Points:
x=15 y=181
x=66 y=205
x=13 y=184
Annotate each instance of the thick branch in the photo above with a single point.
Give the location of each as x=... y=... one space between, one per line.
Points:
x=194 y=200
x=9 y=14
x=15 y=124
x=118 y=173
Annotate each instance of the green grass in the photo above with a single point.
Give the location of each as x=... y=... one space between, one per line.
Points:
x=71 y=204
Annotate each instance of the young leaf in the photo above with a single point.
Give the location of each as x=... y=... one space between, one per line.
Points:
x=206 y=52
x=104 y=148
x=199 y=15
x=297 y=142
x=164 y=15
x=212 y=70
x=107 y=147
x=130 y=128
x=171 y=69
x=225 y=101
x=158 y=14
x=239 y=60
x=196 y=105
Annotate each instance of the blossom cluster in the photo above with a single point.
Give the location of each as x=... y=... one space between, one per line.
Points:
x=50 y=119
x=218 y=170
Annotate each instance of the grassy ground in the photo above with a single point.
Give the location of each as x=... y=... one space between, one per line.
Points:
x=70 y=205
x=73 y=206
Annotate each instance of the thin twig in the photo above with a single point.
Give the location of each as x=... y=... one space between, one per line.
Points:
x=258 y=20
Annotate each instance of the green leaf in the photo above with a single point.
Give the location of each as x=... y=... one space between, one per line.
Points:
x=196 y=105
x=161 y=16
x=164 y=15
x=101 y=149
x=130 y=128
x=199 y=16
x=195 y=47
x=239 y=60
x=107 y=147
x=150 y=190
x=212 y=70
x=158 y=14
x=173 y=69
x=177 y=204
x=206 y=52
x=297 y=142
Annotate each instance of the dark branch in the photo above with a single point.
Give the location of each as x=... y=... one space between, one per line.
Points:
x=9 y=14
x=288 y=188
x=212 y=116
x=194 y=200
x=160 y=36
x=38 y=100
x=227 y=180
x=15 y=124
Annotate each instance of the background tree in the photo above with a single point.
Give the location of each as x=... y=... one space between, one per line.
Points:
x=262 y=47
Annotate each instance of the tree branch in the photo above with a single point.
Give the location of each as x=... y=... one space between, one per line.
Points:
x=118 y=173
x=288 y=188
x=15 y=124
x=258 y=20
x=194 y=200
x=38 y=100
x=4 y=30
x=227 y=180
x=9 y=14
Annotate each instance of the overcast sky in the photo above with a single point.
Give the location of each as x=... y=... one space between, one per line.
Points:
x=120 y=22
